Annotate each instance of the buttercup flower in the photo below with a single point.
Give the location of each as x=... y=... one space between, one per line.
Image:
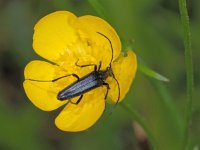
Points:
x=64 y=40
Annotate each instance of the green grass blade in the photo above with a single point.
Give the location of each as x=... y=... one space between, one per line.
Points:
x=189 y=69
x=151 y=73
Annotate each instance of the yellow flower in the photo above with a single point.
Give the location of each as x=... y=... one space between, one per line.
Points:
x=62 y=39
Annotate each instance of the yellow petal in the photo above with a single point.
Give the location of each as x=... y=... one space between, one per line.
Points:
x=87 y=27
x=62 y=37
x=80 y=117
x=124 y=69
x=53 y=34
x=42 y=94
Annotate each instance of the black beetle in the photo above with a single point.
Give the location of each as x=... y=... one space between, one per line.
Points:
x=87 y=83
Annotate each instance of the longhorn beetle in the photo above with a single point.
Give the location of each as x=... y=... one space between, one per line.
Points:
x=88 y=82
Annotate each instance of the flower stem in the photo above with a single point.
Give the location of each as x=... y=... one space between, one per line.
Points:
x=189 y=69
x=139 y=119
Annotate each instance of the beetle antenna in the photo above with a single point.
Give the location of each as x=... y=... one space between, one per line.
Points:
x=39 y=80
x=53 y=80
x=112 y=73
x=110 y=46
x=118 y=95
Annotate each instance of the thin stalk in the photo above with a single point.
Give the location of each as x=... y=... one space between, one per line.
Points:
x=139 y=119
x=98 y=8
x=189 y=69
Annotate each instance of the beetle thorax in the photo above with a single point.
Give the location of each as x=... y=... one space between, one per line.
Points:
x=106 y=73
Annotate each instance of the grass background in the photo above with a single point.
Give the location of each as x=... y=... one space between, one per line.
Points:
x=155 y=28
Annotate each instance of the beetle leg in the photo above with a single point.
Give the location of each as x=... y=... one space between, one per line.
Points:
x=95 y=66
x=99 y=65
x=78 y=101
x=108 y=87
x=74 y=75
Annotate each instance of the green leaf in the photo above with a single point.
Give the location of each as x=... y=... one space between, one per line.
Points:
x=151 y=73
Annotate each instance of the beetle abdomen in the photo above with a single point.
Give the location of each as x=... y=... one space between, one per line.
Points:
x=81 y=86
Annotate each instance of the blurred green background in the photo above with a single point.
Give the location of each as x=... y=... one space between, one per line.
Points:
x=154 y=27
